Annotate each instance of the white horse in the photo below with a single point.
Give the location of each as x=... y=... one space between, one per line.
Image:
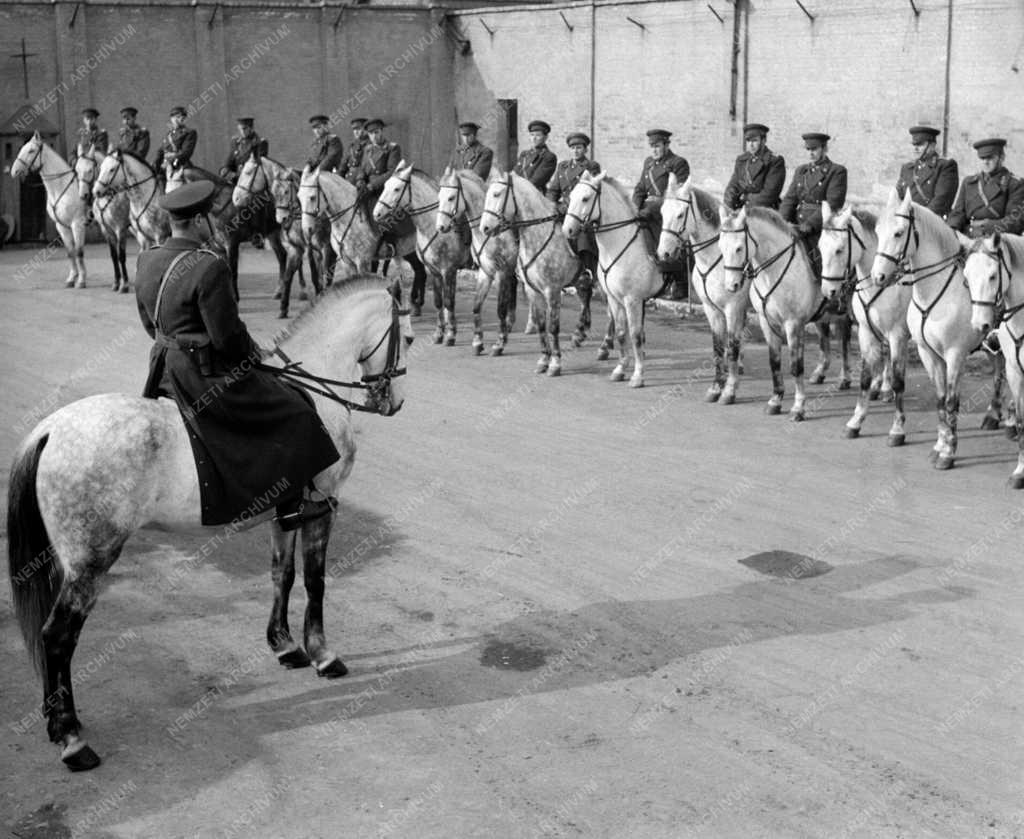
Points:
x=626 y=270
x=690 y=217
x=63 y=203
x=411 y=193
x=912 y=238
x=122 y=172
x=135 y=458
x=848 y=245
x=460 y=200
x=995 y=279
x=110 y=212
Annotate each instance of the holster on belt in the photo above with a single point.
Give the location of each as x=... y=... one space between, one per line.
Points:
x=196 y=345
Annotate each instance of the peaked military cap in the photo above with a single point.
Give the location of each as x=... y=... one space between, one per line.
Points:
x=987 y=148
x=373 y=124
x=924 y=134
x=90 y=112
x=178 y=110
x=318 y=118
x=539 y=125
x=468 y=127
x=358 y=122
x=658 y=135
x=577 y=138
x=129 y=111
x=189 y=200
x=245 y=121
x=815 y=139
x=754 y=129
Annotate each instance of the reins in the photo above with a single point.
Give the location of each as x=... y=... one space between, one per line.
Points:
x=597 y=227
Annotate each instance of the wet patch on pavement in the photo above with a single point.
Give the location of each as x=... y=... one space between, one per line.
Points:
x=506 y=655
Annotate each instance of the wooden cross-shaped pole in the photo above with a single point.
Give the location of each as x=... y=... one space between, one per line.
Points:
x=24 y=56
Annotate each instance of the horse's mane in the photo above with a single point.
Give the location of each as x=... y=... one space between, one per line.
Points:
x=619 y=188
x=135 y=157
x=707 y=206
x=544 y=200
x=1014 y=248
x=335 y=293
x=470 y=175
x=867 y=219
x=772 y=217
x=430 y=179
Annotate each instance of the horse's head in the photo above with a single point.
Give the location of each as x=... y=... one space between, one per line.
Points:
x=86 y=168
x=30 y=157
x=396 y=196
x=735 y=242
x=678 y=218
x=499 y=204
x=311 y=200
x=584 y=204
x=111 y=172
x=451 y=203
x=252 y=181
x=284 y=190
x=840 y=249
x=987 y=274
x=382 y=358
x=897 y=240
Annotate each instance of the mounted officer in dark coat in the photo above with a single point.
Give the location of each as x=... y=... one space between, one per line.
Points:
x=249 y=431
x=132 y=137
x=353 y=161
x=649 y=195
x=992 y=200
x=759 y=173
x=471 y=153
x=90 y=134
x=814 y=182
x=326 y=149
x=176 y=150
x=380 y=159
x=566 y=176
x=932 y=180
x=537 y=164
x=242 y=147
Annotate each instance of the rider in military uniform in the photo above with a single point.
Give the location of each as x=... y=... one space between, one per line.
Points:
x=814 y=182
x=90 y=134
x=537 y=164
x=648 y=196
x=991 y=201
x=350 y=166
x=132 y=137
x=242 y=146
x=566 y=176
x=326 y=149
x=380 y=159
x=932 y=180
x=470 y=153
x=176 y=149
x=249 y=431
x=759 y=173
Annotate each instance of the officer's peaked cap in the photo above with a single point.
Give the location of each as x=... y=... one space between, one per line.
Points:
x=539 y=125
x=987 y=148
x=815 y=139
x=189 y=200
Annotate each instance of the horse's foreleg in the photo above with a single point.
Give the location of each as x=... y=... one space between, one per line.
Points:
x=635 y=319
x=618 y=322
x=585 y=293
x=774 y=405
x=994 y=412
x=899 y=343
x=716 y=320
x=112 y=249
x=435 y=284
x=508 y=290
x=870 y=363
x=795 y=340
x=418 y=295
x=483 y=288
x=282 y=256
x=68 y=239
x=1017 y=387
x=78 y=231
x=824 y=351
x=315 y=535
x=553 y=298
x=293 y=264
x=735 y=318
x=233 y=265
x=122 y=258
x=845 y=328
x=448 y=282
x=951 y=396
x=282 y=575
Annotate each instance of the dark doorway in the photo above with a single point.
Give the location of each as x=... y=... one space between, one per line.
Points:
x=33 y=208
x=508 y=132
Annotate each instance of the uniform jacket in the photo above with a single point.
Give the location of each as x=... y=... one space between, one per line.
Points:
x=566 y=175
x=757 y=180
x=932 y=183
x=654 y=179
x=325 y=152
x=241 y=148
x=352 y=163
x=177 y=147
x=135 y=140
x=378 y=164
x=97 y=137
x=248 y=430
x=812 y=184
x=537 y=166
x=986 y=204
x=475 y=156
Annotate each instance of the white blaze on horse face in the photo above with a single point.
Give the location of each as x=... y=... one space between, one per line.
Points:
x=240 y=195
x=28 y=159
x=85 y=171
x=981 y=272
x=493 y=206
x=447 y=196
x=389 y=197
x=308 y=186
x=673 y=227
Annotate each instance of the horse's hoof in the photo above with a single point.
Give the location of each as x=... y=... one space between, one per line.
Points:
x=79 y=757
x=438 y=336
x=817 y=379
x=740 y=370
x=277 y=295
x=772 y=409
x=531 y=329
x=888 y=396
x=942 y=462
x=333 y=669
x=873 y=395
x=727 y=398
x=497 y=350
x=851 y=433
x=896 y=440
x=1011 y=432
x=303 y=295
x=635 y=382
x=712 y=396
x=1016 y=482
x=81 y=284
x=554 y=371
x=415 y=310
x=578 y=338
x=114 y=287
x=844 y=384
x=796 y=416
x=989 y=423
x=449 y=340
x=478 y=349
x=602 y=354
x=617 y=376
x=294 y=658
x=69 y=283
x=282 y=315
x=124 y=289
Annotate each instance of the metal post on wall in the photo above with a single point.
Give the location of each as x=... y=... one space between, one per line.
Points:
x=593 y=72
x=949 y=61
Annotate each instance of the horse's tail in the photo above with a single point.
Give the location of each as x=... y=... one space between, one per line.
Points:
x=36 y=575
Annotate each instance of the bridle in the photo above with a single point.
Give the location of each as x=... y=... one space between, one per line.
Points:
x=517 y=224
x=377 y=385
x=683 y=236
x=108 y=188
x=411 y=211
x=595 y=223
x=1003 y=274
x=324 y=207
x=35 y=163
x=851 y=236
x=250 y=189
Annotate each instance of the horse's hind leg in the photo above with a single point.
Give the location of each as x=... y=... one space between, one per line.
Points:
x=282 y=574
x=994 y=412
x=507 y=294
x=315 y=535
x=825 y=351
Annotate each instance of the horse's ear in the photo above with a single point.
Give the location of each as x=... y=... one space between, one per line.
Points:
x=37 y=136
x=600 y=176
x=826 y=212
x=673 y=183
x=447 y=171
x=893 y=201
x=685 y=188
x=995 y=242
x=723 y=213
x=965 y=241
x=741 y=216
x=905 y=203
